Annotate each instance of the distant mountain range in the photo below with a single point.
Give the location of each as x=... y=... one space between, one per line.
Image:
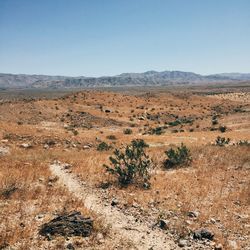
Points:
x=149 y=78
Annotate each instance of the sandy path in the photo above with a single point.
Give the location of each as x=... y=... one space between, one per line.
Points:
x=140 y=234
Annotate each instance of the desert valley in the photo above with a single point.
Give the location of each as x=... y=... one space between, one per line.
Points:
x=178 y=176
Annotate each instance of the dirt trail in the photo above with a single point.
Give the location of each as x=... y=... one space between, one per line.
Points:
x=139 y=234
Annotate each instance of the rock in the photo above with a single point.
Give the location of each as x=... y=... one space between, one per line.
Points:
x=141 y=118
x=114 y=202
x=4 y=151
x=41 y=179
x=70 y=246
x=246 y=165
x=135 y=204
x=146 y=185
x=163 y=224
x=232 y=244
x=203 y=234
x=218 y=247
x=193 y=214
x=67 y=225
x=182 y=243
x=86 y=147
x=52 y=179
x=26 y=145
x=39 y=216
x=100 y=237
x=212 y=220
x=67 y=166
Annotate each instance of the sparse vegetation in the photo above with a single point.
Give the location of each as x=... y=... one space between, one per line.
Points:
x=103 y=146
x=222 y=141
x=177 y=157
x=131 y=163
x=127 y=131
x=185 y=200
x=111 y=137
x=222 y=129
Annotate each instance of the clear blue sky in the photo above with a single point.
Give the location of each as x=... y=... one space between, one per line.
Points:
x=108 y=37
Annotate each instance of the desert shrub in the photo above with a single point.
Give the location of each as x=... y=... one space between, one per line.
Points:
x=131 y=163
x=174 y=131
x=103 y=146
x=177 y=157
x=222 y=129
x=127 y=131
x=213 y=129
x=214 y=120
x=243 y=143
x=221 y=141
x=111 y=137
x=7 y=190
x=156 y=131
x=174 y=123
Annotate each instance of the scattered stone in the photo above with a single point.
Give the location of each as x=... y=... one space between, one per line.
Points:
x=212 y=220
x=39 y=216
x=218 y=247
x=141 y=118
x=163 y=224
x=182 y=243
x=53 y=179
x=100 y=238
x=4 y=151
x=203 y=234
x=41 y=179
x=70 y=246
x=193 y=214
x=67 y=166
x=135 y=204
x=67 y=225
x=26 y=145
x=232 y=244
x=114 y=202
x=86 y=147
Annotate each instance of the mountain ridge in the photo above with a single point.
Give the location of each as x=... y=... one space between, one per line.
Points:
x=148 y=78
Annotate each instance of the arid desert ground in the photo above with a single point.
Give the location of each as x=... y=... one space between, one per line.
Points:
x=53 y=147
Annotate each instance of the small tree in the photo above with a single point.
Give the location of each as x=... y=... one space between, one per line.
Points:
x=131 y=163
x=179 y=157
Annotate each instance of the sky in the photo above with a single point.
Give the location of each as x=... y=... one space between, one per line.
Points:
x=109 y=37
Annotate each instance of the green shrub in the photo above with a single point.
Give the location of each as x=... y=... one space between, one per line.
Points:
x=176 y=158
x=156 y=131
x=127 y=131
x=222 y=129
x=221 y=141
x=131 y=163
x=174 y=123
x=103 y=146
